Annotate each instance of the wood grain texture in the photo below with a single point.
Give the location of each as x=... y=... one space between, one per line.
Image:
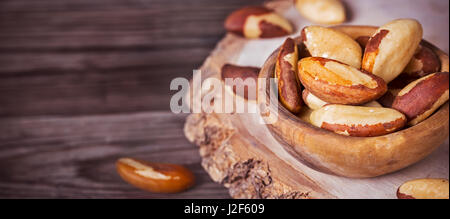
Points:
x=91 y=57
x=74 y=157
x=84 y=82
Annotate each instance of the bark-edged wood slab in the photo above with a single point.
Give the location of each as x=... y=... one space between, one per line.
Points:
x=252 y=164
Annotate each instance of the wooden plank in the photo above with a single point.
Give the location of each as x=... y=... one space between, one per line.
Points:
x=197 y=17
x=114 y=5
x=105 y=61
x=74 y=157
x=88 y=91
x=67 y=66
x=92 y=57
x=89 y=42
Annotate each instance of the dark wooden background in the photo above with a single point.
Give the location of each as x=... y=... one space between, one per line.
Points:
x=85 y=82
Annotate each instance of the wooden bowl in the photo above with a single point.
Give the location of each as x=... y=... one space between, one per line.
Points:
x=358 y=157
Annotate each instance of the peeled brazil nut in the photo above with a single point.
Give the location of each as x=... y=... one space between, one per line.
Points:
x=242 y=73
x=322 y=11
x=336 y=82
x=422 y=97
x=424 y=189
x=257 y=22
x=332 y=44
x=424 y=62
x=358 y=121
x=286 y=72
x=314 y=102
x=391 y=48
x=155 y=177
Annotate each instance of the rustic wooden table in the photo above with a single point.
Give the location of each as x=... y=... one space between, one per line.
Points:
x=84 y=82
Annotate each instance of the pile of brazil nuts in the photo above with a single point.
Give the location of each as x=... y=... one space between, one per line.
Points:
x=255 y=22
x=368 y=86
x=371 y=86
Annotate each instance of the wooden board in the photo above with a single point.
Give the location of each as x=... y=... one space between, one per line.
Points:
x=86 y=82
x=241 y=154
x=89 y=57
x=74 y=156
